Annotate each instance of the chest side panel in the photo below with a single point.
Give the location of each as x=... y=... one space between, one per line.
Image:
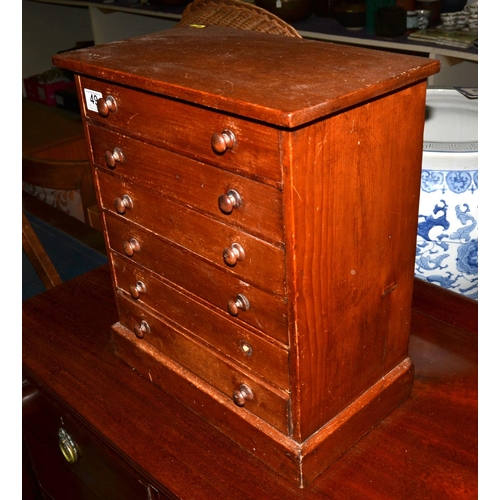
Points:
x=353 y=194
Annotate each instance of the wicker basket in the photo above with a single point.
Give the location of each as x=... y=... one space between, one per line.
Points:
x=235 y=14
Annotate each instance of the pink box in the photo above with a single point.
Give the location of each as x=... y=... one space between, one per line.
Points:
x=44 y=92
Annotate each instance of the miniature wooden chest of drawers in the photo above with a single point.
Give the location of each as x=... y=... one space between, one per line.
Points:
x=259 y=200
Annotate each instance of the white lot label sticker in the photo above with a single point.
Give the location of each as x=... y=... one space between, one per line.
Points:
x=91 y=98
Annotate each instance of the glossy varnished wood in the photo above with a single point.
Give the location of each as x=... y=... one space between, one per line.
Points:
x=426 y=448
x=187 y=181
x=262 y=265
x=269 y=403
x=358 y=212
x=78 y=230
x=162 y=122
x=206 y=281
x=446 y=306
x=336 y=133
x=285 y=83
x=96 y=472
x=268 y=358
x=48 y=125
x=38 y=256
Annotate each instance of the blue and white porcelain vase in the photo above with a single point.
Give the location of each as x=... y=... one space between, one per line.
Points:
x=447 y=236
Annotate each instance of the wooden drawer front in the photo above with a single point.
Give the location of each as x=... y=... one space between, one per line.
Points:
x=245 y=347
x=262 y=264
x=190 y=182
x=267 y=312
x=189 y=129
x=268 y=403
x=97 y=473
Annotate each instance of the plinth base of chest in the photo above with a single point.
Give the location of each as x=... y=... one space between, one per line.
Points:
x=300 y=463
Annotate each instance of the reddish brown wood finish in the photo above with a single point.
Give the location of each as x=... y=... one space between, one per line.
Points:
x=269 y=403
x=38 y=256
x=426 y=448
x=337 y=136
x=96 y=474
x=43 y=125
x=78 y=230
x=262 y=264
x=446 y=306
x=267 y=358
x=187 y=181
x=287 y=81
x=163 y=122
x=209 y=284
x=354 y=236
x=62 y=165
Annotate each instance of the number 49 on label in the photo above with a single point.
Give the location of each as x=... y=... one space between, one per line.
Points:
x=91 y=98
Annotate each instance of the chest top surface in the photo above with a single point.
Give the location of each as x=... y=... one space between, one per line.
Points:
x=284 y=81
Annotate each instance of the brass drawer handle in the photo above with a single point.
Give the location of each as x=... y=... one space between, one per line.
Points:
x=132 y=246
x=242 y=395
x=233 y=254
x=113 y=157
x=67 y=447
x=142 y=329
x=229 y=201
x=106 y=106
x=223 y=141
x=123 y=204
x=240 y=304
x=137 y=289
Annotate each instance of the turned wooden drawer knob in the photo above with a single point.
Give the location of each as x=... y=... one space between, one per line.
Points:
x=233 y=254
x=132 y=246
x=137 y=289
x=223 y=141
x=106 y=106
x=113 y=157
x=142 y=329
x=67 y=447
x=123 y=204
x=229 y=201
x=242 y=395
x=240 y=304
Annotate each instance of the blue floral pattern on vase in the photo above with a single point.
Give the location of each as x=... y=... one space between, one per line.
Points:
x=447 y=241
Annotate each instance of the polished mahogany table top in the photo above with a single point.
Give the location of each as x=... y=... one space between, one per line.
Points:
x=426 y=449
x=44 y=126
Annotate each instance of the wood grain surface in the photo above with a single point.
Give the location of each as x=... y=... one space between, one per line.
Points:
x=426 y=449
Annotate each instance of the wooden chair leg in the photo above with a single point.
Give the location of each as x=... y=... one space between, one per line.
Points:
x=38 y=256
